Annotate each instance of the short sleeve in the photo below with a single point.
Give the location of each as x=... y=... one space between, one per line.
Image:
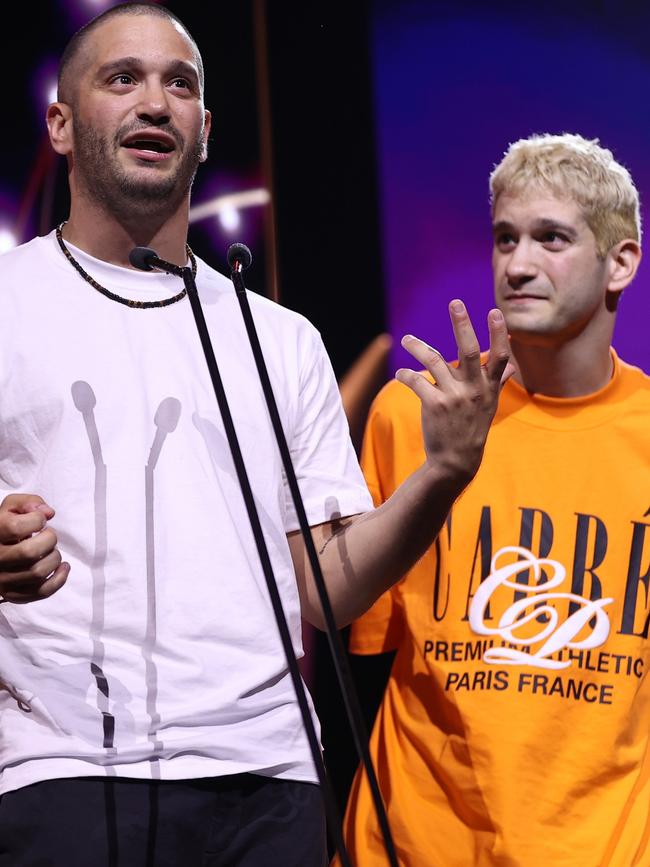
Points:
x=327 y=469
x=380 y=628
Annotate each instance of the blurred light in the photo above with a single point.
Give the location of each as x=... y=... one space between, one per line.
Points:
x=229 y=219
x=7 y=240
x=43 y=85
x=233 y=202
x=80 y=12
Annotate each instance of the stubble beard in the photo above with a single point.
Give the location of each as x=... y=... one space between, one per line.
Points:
x=104 y=180
x=530 y=331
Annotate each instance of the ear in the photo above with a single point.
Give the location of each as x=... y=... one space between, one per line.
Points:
x=207 y=126
x=59 y=126
x=624 y=259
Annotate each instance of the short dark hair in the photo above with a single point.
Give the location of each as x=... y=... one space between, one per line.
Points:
x=72 y=49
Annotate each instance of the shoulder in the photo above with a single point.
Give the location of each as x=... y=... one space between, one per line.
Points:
x=281 y=316
x=634 y=374
x=24 y=256
x=635 y=385
x=25 y=273
x=263 y=309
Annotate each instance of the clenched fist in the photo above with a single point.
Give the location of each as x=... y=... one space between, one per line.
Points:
x=30 y=564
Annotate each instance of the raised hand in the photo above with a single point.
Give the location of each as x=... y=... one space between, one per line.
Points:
x=30 y=564
x=458 y=407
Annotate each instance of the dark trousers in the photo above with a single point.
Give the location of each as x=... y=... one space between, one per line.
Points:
x=237 y=821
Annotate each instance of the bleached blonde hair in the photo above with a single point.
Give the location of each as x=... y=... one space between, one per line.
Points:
x=571 y=167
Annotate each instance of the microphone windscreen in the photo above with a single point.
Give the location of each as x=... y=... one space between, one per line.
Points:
x=140 y=258
x=239 y=253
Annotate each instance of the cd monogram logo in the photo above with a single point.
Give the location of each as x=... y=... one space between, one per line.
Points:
x=522 y=616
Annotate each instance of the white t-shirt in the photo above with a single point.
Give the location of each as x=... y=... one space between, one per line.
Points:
x=160 y=657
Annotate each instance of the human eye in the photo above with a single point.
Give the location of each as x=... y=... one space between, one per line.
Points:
x=504 y=241
x=554 y=240
x=122 y=79
x=180 y=83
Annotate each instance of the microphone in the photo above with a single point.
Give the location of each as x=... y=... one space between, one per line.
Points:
x=140 y=258
x=147 y=259
x=239 y=257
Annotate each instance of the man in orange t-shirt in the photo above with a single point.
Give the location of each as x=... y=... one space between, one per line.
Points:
x=515 y=726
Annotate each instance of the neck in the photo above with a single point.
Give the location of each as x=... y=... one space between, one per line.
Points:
x=561 y=371
x=110 y=238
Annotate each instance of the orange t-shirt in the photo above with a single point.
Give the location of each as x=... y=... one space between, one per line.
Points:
x=515 y=725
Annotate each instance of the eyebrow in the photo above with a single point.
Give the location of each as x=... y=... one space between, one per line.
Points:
x=543 y=224
x=182 y=67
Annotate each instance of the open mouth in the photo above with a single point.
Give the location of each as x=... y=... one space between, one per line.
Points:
x=150 y=145
x=154 y=145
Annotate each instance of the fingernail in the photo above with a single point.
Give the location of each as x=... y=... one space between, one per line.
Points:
x=496 y=315
x=457 y=306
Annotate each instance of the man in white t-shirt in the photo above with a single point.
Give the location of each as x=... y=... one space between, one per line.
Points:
x=146 y=710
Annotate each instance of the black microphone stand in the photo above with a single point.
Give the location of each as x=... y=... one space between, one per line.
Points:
x=147 y=259
x=239 y=258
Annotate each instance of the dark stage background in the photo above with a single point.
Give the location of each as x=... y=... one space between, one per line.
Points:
x=372 y=128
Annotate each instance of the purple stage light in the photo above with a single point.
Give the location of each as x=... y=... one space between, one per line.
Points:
x=79 y=12
x=43 y=85
x=225 y=205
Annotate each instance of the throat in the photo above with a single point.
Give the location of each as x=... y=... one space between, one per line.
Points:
x=566 y=371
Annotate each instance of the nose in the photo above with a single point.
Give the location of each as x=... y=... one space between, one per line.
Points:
x=153 y=106
x=521 y=267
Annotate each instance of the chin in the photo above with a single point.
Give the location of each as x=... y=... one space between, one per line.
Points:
x=521 y=321
x=148 y=189
x=526 y=326
x=542 y=338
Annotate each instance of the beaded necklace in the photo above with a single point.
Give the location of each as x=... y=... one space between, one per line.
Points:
x=165 y=302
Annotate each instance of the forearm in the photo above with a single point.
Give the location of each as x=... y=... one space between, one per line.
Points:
x=368 y=555
x=363 y=558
